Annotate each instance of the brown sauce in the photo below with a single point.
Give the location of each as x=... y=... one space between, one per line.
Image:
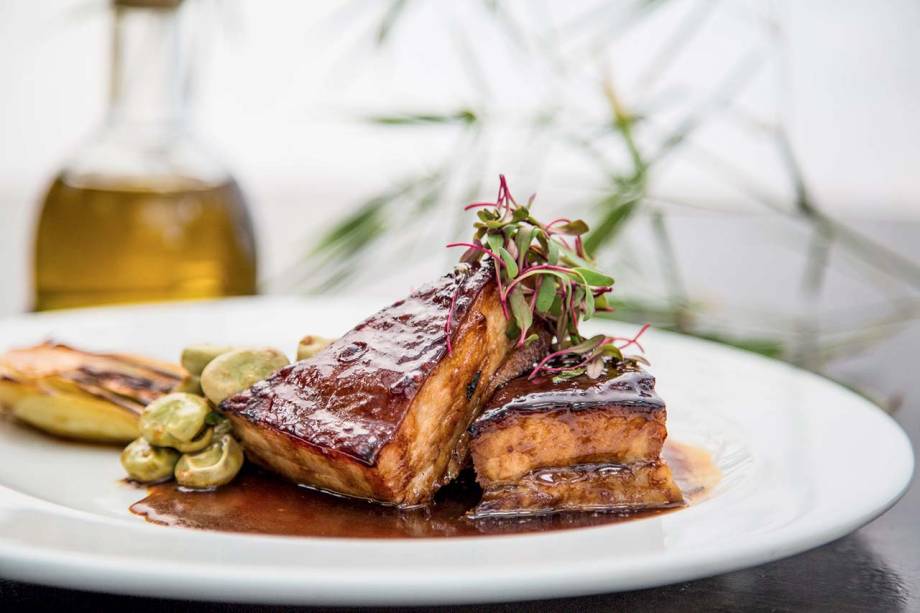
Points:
x=258 y=502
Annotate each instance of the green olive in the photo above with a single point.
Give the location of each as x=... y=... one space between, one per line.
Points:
x=215 y=465
x=196 y=357
x=148 y=464
x=309 y=346
x=190 y=384
x=174 y=419
x=234 y=371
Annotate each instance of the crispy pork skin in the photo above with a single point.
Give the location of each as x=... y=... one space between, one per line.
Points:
x=583 y=487
x=533 y=424
x=379 y=412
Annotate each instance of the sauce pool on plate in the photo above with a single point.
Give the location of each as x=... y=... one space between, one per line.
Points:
x=258 y=502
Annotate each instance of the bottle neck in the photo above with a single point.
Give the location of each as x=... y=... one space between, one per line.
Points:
x=148 y=79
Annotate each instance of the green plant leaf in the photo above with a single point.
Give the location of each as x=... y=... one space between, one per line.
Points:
x=589 y=305
x=520 y=309
x=486 y=215
x=588 y=345
x=617 y=214
x=522 y=241
x=496 y=242
x=510 y=264
x=612 y=351
x=593 y=277
x=546 y=294
x=463 y=117
x=574 y=228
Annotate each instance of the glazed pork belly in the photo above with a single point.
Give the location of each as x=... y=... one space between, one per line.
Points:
x=584 y=487
x=378 y=414
x=579 y=444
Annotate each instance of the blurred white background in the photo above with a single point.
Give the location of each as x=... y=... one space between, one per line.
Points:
x=283 y=85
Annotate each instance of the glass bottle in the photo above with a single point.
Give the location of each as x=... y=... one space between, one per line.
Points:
x=143 y=213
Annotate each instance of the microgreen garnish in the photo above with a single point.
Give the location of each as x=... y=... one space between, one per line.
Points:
x=544 y=279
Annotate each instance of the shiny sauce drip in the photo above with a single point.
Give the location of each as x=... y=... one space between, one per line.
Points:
x=260 y=503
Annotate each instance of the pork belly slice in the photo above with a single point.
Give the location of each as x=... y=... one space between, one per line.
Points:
x=527 y=425
x=583 y=488
x=379 y=412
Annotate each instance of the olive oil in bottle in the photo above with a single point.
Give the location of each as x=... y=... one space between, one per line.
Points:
x=119 y=243
x=143 y=213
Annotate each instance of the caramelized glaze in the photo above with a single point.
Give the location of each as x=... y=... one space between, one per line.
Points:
x=631 y=389
x=351 y=398
x=260 y=503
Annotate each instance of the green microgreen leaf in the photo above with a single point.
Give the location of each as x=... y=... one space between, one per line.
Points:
x=587 y=346
x=520 y=309
x=486 y=215
x=513 y=332
x=593 y=277
x=546 y=282
x=579 y=297
x=546 y=295
x=552 y=255
x=495 y=241
x=522 y=241
x=589 y=305
x=573 y=228
x=568 y=374
x=556 y=309
x=520 y=214
x=510 y=263
x=613 y=351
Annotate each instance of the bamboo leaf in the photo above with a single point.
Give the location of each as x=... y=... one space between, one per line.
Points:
x=462 y=117
x=618 y=213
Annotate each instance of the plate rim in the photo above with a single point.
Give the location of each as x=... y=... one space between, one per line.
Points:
x=48 y=566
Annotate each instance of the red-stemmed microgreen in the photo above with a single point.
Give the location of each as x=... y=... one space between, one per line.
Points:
x=544 y=283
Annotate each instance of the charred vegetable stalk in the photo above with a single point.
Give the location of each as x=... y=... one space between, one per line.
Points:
x=160 y=408
x=545 y=277
x=80 y=395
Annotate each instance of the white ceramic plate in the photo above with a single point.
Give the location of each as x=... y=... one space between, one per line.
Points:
x=800 y=458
